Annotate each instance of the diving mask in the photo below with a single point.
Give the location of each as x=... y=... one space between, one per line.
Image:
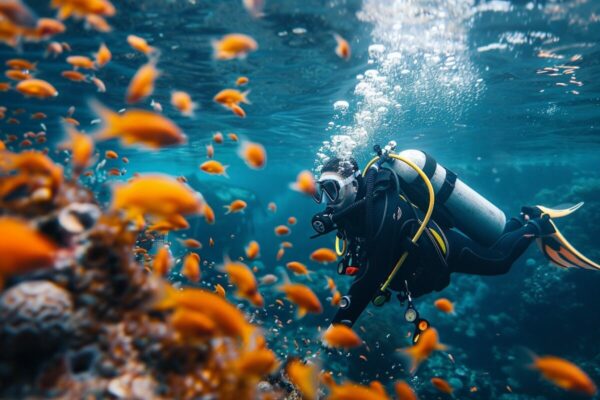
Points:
x=331 y=187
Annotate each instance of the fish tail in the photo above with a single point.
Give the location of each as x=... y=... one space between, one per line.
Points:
x=301 y=313
x=225 y=167
x=245 y=98
x=228 y=210
x=110 y=120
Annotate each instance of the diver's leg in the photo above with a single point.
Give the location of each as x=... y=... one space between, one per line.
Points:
x=467 y=256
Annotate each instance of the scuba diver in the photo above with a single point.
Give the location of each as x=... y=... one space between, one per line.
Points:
x=407 y=223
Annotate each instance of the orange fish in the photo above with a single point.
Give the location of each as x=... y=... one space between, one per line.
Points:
x=93 y=21
x=441 y=385
x=228 y=319
x=286 y=245
x=23 y=248
x=81 y=62
x=292 y=220
x=564 y=374
x=378 y=387
x=227 y=97
x=103 y=56
x=211 y=242
x=280 y=254
x=138 y=126
x=157 y=195
x=237 y=110
x=304 y=377
x=252 y=250
x=323 y=255
x=80 y=9
x=38 y=115
x=111 y=154
x=427 y=344
x=45 y=28
x=297 y=267
x=192 y=323
x=336 y=298
x=183 y=102
x=191 y=243
x=352 y=391
x=4 y=86
x=236 y=206
x=82 y=150
x=242 y=80
x=162 y=261
x=303 y=297
x=281 y=230
x=19 y=63
x=343 y=48
x=36 y=88
x=54 y=49
x=74 y=76
x=210 y=151
x=142 y=83
x=220 y=290
x=214 y=167
x=191 y=267
x=444 y=305
x=242 y=277
x=17 y=13
x=140 y=44
x=272 y=207
x=100 y=86
x=218 y=137
x=253 y=154
x=209 y=214
x=305 y=183
x=339 y=335
x=404 y=391
x=258 y=362
x=235 y=45
x=17 y=75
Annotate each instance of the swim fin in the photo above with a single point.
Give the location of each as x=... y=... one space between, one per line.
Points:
x=560 y=252
x=559 y=213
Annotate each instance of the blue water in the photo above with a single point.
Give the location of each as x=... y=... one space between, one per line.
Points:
x=506 y=94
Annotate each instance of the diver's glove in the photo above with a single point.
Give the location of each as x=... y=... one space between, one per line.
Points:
x=530 y=212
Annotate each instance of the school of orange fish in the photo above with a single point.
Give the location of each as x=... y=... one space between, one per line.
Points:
x=34 y=188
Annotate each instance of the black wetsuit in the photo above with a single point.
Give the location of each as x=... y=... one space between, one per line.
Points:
x=427 y=267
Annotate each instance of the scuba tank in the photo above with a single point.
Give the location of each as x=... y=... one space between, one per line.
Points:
x=456 y=204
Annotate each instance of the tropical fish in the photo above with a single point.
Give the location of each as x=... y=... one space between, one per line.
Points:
x=236 y=206
x=444 y=305
x=353 y=391
x=404 y=391
x=252 y=250
x=305 y=183
x=183 y=102
x=209 y=214
x=111 y=154
x=323 y=255
x=227 y=97
x=297 y=267
x=17 y=75
x=272 y=207
x=140 y=44
x=103 y=56
x=268 y=279
x=242 y=80
x=235 y=45
x=214 y=167
x=82 y=150
x=564 y=374
x=303 y=297
x=281 y=230
x=142 y=83
x=36 y=88
x=74 y=76
x=233 y=137
x=242 y=277
x=343 y=48
x=192 y=323
x=81 y=62
x=253 y=154
x=257 y=362
x=442 y=385
x=191 y=267
x=218 y=137
x=80 y=9
x=191 y=243
x=138 y=126
x=19 y=63
x=292 y=220
x=162 y=261
x=100 y=86
x=427 y=344
x=339 y=335
x=220 y=290
x=23 y=248
x=210 y=151
x=304 y=377
x=94 y=21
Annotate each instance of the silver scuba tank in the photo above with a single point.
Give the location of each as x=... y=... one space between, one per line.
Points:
x=460 y=205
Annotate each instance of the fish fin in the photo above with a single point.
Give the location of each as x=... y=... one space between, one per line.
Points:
x=228 y=208
x=245 y=98
x=225 y=167
x=301 y=313
x=110 y=121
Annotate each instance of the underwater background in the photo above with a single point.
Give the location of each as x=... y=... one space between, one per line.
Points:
x=504 y=93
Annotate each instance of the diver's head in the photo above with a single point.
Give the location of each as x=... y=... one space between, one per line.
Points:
x=339 y=183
